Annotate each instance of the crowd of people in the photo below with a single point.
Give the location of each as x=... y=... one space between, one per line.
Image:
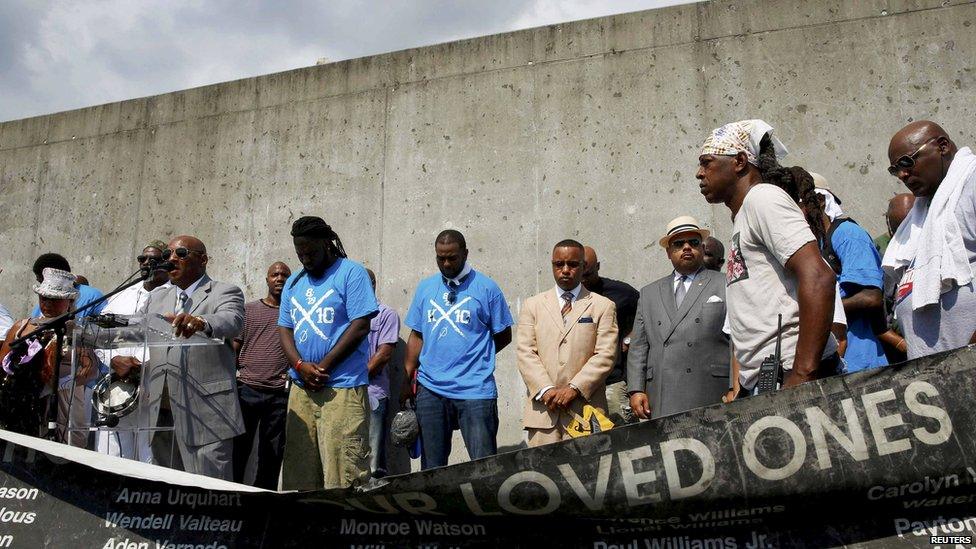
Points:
x=303 y=373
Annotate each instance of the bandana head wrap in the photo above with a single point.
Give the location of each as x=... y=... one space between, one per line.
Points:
x=742 y=136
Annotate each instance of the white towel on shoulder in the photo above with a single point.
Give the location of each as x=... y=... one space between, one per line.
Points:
x=931 y=237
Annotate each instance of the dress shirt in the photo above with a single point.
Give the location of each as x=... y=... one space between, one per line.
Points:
x=575 y=291
x=688 y=280
x=189 y=293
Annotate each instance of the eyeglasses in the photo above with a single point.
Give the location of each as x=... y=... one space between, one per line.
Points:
x=180 y=252
x=559 y=264
x=907 y=162
x=144 y=258
x=693 y=242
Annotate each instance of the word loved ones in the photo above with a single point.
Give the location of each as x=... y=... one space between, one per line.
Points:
x=772 y=449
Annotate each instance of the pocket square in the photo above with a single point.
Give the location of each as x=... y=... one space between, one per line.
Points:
x=714 y=299
x=586 y=320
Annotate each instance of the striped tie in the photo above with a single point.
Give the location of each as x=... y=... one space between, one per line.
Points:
x=567 y=303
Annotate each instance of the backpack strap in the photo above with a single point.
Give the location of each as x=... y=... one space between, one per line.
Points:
x=827 y=251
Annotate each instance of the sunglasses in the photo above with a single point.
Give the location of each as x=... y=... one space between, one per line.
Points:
x=180 y=252
x=693 y=242
x=451 y=297
x=907 y=162
x=559 y=264
x=144 y=258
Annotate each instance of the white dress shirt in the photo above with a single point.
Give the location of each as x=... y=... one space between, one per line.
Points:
x=677 y=278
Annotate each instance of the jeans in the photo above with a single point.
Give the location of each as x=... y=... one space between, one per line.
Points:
x=438 y=415
x=264 y=412
x=378 y=430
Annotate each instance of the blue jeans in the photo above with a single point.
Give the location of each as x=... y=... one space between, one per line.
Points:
x=438 y=416
x=378 y=430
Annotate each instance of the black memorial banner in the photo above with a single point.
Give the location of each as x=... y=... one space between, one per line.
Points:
x=879 y=458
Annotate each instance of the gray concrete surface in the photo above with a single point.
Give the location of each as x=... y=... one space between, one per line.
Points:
x=587 y=129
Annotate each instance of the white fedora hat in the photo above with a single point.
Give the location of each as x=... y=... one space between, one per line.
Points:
x=57 y=284
x=683 y=224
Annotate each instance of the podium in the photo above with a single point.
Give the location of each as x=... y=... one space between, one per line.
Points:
x=95 y=399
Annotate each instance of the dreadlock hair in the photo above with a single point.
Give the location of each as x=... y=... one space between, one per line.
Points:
x=316 y=228
x=797 y=182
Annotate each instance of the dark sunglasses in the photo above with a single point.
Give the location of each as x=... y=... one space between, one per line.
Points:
x=180 y=252
x=559 y=264
x=451 y=297
x=143 y=258
x=907 y=162
x=693 y=242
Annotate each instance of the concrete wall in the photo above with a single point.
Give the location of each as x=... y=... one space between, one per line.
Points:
x=587 y=129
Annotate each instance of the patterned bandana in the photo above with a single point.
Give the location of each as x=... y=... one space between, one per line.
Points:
x=742 y=136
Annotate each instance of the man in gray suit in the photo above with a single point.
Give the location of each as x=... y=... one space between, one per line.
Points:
x=194 y=386
x=679 y=357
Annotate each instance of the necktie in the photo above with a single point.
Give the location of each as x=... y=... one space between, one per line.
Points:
x=567 y=303
x=680 y=291
x=181 y=302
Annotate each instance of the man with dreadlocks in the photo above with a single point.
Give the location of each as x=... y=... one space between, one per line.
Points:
x=774 y=265
x=323 y=321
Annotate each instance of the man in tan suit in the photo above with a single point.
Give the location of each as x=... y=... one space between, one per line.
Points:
x=567 y=341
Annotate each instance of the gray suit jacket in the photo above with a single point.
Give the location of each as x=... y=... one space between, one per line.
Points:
x=679 y=356
x=201 y=380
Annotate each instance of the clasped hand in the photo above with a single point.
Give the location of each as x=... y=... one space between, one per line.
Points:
x=558 y=398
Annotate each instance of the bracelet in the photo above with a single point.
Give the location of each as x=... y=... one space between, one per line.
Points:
x=298 y=365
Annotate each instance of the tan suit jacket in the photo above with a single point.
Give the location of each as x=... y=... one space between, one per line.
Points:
x=580 y=351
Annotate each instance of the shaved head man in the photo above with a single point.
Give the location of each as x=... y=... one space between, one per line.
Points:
x=624 y=297
x=714 y=254
x=898 y=208
x=931 y=268
x=262 y=369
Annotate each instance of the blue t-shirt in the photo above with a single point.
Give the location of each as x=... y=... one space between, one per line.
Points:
x=319 y=310
x=86 y=294
x=458 y=356
x=860 y=267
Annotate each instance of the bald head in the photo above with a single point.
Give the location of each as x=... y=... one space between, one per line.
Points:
x=920 y=154
x=193 y=265
x=591 y=273
x=898 y=208
x=278 y=274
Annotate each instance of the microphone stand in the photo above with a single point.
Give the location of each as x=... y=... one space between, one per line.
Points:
x=58 y=325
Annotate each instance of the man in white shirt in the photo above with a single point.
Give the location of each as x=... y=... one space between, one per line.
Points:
x=123 y=440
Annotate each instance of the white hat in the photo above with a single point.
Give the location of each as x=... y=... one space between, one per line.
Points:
x=683 y=224
x=57 y=284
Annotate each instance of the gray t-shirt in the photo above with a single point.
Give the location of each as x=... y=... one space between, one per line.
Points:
x=766 y=232
x=951 y=323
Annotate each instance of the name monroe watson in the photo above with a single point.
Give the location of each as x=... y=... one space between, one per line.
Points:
x=886 y=423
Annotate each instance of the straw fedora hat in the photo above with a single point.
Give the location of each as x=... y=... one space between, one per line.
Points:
x=683 y=224
x=57 y=284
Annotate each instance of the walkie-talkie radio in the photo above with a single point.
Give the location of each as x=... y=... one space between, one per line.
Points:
x=771 y=369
